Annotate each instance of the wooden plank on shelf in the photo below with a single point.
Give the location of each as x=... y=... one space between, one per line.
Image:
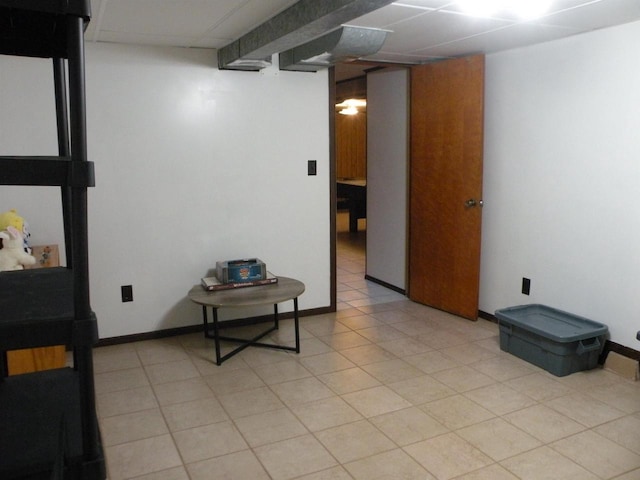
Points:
x=41 y=358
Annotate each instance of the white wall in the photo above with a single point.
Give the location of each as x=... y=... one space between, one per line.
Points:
x=193 y=165
x=562 y=177
x=387 y=147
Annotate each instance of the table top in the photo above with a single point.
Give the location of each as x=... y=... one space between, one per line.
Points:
x=285 y=289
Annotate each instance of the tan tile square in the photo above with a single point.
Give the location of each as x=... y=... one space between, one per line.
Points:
x=180 y=416
x=431 y=362
x=415 y=327
x=491 y=343
x=326 y=363
x=167 y=350
x=125 y=401
x=590 y=379
x=256 y=357
x=392 y=370
x=141 y=457
x=132 y=426
x=404 y=347
x=171 y=372
x=375 y=401
x=354 y=441
x=281 y=372
x=302 y=391
x=381 y=333
x=473 y=331
x=503 y=368
x=408 y=426
x=250 y=402
x=630 y=475
x=235 y=466
x=205 y=361
x=335 y=473
x=294 y=457
x=350 y=380
x=492 y=472
x=120 y=380
x=366 y=354
x=500 y=399
x=392 y=464
x=467 y=354
x=463 y=379
x=498 y=439
x=539 y=386
x=584 y=409
x=439 y=339
x=356 y=322
x=209 y=441
x=624 y=431
x=115 y=357
x=545 y=464
x=597 y=454
x=322 y=326
x=231 y=381
x=344 y=340
x=544 y=423
x=177 y=473
x=393 y=316
x=457 y=412
x=326 y=413
x=182 y=391
x=312 y=346
x=624 y=396
x=421 y=389
x=448 y=456
x=270 y=427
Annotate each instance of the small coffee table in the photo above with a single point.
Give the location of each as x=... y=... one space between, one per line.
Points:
x=286 y=289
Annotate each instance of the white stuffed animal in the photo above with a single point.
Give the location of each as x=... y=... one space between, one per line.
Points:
x=12 y=254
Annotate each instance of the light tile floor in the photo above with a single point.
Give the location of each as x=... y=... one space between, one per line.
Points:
x=383 y=389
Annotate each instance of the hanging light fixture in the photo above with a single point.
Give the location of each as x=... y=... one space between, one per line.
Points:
x=525 y=9
x=350 y=106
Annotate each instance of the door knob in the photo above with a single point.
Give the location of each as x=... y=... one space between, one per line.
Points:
x=473 y=203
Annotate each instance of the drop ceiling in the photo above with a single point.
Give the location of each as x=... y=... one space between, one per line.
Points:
x=419 y=30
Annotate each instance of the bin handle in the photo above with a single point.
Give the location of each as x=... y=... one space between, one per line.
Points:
x=582 y=348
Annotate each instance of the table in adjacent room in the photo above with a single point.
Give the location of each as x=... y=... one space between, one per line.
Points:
x=285 y=289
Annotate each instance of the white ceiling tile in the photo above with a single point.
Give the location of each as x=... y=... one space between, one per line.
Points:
x=502 y=39
x=436 y=28
x=386 y=16
x=170 y=17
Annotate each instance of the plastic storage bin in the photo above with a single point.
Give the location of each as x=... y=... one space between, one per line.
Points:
x=559 y=342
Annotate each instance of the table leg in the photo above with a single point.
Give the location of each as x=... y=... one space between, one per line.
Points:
x=276 y=321
x=205 y=321
x=295 y=322
x=216 y=334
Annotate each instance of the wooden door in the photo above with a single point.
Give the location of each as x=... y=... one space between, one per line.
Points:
x=445 y=181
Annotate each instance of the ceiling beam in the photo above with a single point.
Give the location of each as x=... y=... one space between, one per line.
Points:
x=298 y=24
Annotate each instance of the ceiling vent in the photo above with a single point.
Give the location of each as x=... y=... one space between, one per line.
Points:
x=300 y=23
x=343 y=45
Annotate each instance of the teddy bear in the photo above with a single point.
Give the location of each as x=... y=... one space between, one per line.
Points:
x=10 y=218
x=12 y=254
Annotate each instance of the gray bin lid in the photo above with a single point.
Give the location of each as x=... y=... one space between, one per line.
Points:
x=551 y=323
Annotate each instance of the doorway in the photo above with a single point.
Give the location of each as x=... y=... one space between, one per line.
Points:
x=354 y=285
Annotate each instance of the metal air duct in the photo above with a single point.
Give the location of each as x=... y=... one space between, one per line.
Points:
x=343 y=45
x=296 y=25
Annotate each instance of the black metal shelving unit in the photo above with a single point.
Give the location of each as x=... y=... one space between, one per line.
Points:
x=48 y=425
